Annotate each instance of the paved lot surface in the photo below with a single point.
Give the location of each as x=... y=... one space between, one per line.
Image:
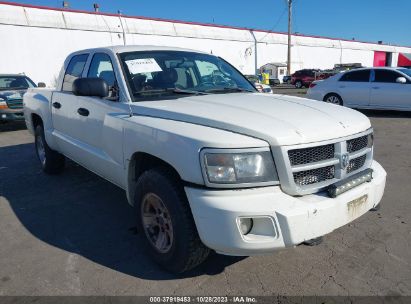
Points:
x=288 y=89
x=73 y=235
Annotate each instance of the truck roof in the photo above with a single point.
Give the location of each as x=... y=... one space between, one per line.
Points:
x=136 y=48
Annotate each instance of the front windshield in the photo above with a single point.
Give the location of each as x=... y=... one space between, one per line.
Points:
x=406 y=71
x=15 y=82
x=152 y=74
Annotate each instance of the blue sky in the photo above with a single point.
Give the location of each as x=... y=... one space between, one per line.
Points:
x=366 y=20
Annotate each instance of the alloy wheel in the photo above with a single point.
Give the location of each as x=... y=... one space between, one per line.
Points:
x=157 y=223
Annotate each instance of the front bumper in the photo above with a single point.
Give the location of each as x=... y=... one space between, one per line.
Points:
x=315 y=95
x=280 y=220
x=11 y=115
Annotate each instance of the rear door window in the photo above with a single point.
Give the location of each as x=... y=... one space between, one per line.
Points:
x=74 y=70
x=357 y=76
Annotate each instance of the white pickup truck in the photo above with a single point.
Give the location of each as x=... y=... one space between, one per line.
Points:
x=207 y=162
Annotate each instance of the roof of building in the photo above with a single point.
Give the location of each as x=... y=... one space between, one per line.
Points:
x=136 y=48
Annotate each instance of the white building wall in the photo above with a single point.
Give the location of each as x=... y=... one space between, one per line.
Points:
x=36 y=41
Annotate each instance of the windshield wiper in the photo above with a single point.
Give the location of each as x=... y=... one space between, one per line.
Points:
x=170 y=90
x=228 y=90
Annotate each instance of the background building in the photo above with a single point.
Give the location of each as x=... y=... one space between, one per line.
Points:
x=36 y=40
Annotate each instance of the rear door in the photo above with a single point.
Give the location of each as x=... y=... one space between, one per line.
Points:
x=65 y=104
x=387 y=93
x=354 y=88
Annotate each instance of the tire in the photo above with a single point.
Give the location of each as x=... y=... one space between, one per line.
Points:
x=314 y=242
x=376 y=208
x=298 y=84
x=334 y=99
x=51 y=161
x=180 y=248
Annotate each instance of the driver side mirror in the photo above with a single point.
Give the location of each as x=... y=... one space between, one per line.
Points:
x=401 y=80
x=41 y=85
x=90 y=87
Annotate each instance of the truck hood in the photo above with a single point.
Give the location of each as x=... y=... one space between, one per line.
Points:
x=277 y=119
x=12 y=94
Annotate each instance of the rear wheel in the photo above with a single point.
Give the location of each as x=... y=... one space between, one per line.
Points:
x=298 y=84
x=334 y=99
x=51 y=161
x=164 y=215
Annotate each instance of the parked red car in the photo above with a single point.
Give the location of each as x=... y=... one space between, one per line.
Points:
x=303 y=78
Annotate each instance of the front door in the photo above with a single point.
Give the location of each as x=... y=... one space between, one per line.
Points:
x=387 y=93
x=102 y=135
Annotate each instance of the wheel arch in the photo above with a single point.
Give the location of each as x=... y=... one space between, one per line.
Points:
x=36 y=120
x=138 y=164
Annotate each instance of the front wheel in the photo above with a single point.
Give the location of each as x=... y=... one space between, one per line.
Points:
x=334 y=99
x=51 y=161
x=164 y=216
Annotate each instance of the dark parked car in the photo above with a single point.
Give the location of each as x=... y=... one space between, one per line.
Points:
x=12 y=89
x=274 y=81
x=287 y=79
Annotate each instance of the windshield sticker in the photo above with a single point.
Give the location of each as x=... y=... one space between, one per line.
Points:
x=146 y=65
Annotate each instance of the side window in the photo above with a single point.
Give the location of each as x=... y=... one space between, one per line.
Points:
x=101 y=67
x=74 y=70
x=386 y=76
x=356 y=76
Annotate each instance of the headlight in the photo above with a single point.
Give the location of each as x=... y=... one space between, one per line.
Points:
x=3 y=104
x=239 y=167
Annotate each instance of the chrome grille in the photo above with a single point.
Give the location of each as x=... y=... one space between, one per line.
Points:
x=306 y=169
x=357 y=144
x=314 y=176
x=356 y=163
x=15 y=104
x=311 y=155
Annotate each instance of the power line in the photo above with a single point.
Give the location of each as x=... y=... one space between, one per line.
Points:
x=275 y=25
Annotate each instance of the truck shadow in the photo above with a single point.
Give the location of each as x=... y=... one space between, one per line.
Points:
x=12 y=126
x=83 y=214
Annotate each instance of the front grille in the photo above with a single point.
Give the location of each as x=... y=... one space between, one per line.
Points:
x=15 y=104
x=357 y=144
x=313 y=168
x=356 y=163
x=314 y=176
x=311 y=155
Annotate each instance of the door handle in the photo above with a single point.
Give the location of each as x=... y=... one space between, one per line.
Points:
x=83 y=112
x=376 y=88
x=342 y=87
x=57 y=105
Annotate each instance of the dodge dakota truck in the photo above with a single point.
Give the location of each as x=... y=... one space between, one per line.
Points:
x=207 y=162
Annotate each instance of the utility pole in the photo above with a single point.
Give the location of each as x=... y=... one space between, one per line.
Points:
x=290 y=4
